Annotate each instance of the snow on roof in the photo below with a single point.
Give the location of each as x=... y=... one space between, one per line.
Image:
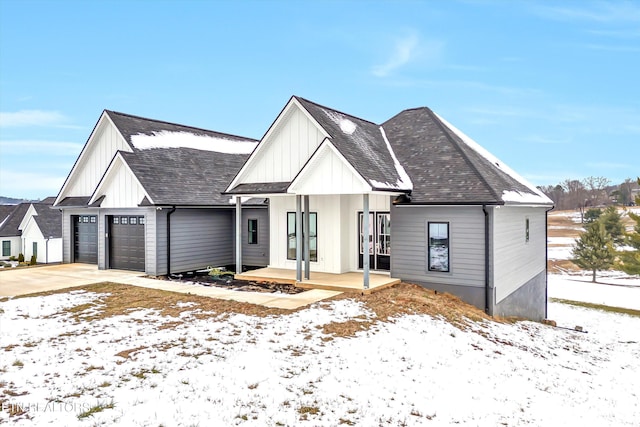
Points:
x=169 y=139
x=404 y=182
x=347 y=126
x=507 y=196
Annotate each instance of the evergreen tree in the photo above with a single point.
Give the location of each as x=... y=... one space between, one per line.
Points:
x=630 y=260
x=592 y=215
x=594 y=249
x=612 y=222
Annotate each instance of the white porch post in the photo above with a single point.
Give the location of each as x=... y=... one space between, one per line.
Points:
x=298 y=238
x=238 y=235
x=306 y=235
x=365 y=237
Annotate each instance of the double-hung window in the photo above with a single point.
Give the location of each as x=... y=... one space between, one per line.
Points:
x=6 y=248
x=313 y=236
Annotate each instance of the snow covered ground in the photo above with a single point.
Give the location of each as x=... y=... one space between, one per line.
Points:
x=284 y=371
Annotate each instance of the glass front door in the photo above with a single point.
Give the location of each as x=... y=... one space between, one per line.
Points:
x=379 y=240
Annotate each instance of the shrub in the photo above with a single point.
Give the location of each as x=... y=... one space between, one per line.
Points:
x=33 y=260
x=12 y=258
x=20 y=257
x=592 y=215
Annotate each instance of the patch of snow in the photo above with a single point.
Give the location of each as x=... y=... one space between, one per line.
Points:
x=168 y=139
x=616 y=290
x=347 y=126
x=404 y=182
x=248 y=370
x=243 y=199
x=517 y=197
x=524 y=198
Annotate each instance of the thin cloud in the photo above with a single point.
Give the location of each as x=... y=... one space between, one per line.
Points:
x=602 y=12
x=609 y=165
x=56 y=148
x=405 y=51
x=32 y=184
x=25 y=118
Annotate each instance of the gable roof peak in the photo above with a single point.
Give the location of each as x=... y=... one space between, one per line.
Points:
x=347 y=115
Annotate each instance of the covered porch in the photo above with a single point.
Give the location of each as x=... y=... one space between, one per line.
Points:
x=345 y=282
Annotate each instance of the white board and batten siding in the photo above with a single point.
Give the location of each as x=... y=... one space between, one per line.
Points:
x=285 y=150
x=120 y=188
x=99 y=152
x=328 y=173
x=337 y=231
x=517 y=261
x=49 y=250
x=409 y=245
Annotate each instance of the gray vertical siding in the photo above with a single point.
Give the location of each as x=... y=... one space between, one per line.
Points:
x=254 y=255
x=409 y=245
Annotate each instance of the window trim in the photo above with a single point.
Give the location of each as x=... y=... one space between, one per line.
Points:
x=7 y=248
x=448 y=246
x=311 y=215
x=251 y=232
x=527 y=230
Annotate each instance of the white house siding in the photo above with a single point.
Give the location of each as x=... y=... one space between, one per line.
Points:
x=466 y=250
x=327 y=173
x=67 y=231
x=121 y=189
x=16 y=246
x=515 y=260
x=286 y=149
x=337 y=230
x=94 y=161
x=49 y=250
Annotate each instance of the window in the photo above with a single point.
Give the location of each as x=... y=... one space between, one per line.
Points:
x=85 y=219
x=133 y=220
x=6 y=248
x=35 y=249
x=124 y=220
x=92 y=219
x=116 y=220
x=253 y=231
x=438 y=240
x=141 y=220
x=526 y=230
x=313 y=236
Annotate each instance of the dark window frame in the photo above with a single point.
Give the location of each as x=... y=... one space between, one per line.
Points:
x=431 y=248
x=252 y=232
x=527 y=233
x=6 y=248
x=291 y=236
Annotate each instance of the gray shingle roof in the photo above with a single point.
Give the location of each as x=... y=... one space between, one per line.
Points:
x=10 y=226
x=364 y=148
x=49 y=220
x=130 y=125
x=442 y=167
x=184 y=176
x=68 y=202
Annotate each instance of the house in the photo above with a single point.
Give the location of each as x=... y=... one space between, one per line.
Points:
x=10 y=234
x=145 y=195
x=41 y=232
x=413 y=198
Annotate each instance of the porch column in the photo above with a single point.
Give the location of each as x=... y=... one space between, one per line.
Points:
x=238 y=235
x=365 y=237
x=298 y=238
x=306 y=236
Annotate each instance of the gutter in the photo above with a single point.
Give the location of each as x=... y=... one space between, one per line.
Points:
x=546 y=262
x=173 y=209
x=486 y=261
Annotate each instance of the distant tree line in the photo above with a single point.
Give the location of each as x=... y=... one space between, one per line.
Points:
x=590 y=192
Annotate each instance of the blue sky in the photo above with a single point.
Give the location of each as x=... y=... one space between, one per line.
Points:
x=551 y=88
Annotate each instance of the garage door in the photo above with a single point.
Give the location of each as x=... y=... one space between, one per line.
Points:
x=85 y=239
x=126 y=242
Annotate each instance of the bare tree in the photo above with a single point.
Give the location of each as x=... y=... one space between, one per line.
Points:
x=594 y=187
x=576 y=195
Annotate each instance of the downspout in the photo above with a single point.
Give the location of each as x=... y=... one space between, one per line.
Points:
x=486 y=260
x=46 y=251
x=173 y=209
x=546 y=261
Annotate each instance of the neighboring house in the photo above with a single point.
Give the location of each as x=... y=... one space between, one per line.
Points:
x=146 y=195
x=41 y=232
x=10 y=234
x=426 y=204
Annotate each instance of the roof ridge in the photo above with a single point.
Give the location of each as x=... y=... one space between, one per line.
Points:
x=337 y=111
x=407 y=110
x=176 y=124
x=463 y=154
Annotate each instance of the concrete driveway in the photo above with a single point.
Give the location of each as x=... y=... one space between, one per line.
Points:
x=22 y=281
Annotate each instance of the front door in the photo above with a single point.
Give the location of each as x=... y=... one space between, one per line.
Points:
x=379 y=240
